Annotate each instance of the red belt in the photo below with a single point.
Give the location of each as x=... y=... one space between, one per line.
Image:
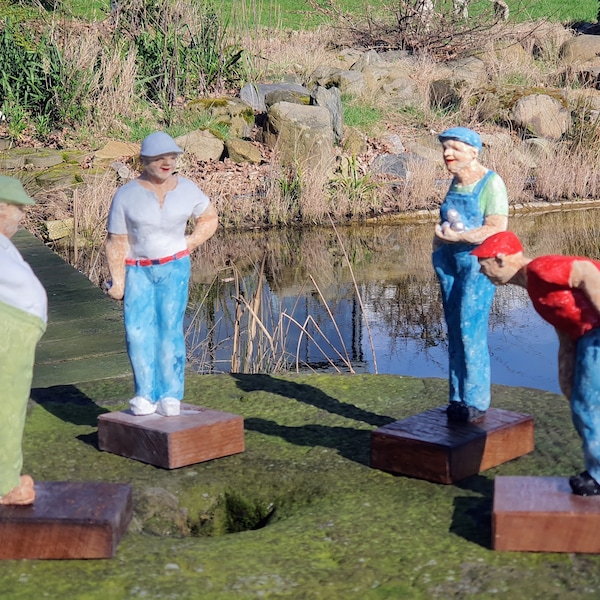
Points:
x=148 y=262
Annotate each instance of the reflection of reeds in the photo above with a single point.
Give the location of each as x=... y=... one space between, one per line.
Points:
x=259 y=342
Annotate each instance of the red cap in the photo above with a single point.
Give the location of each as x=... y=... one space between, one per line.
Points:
x=505 y=242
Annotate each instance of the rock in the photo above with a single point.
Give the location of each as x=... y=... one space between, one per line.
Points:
x=580 y=49
x=402 y=90
x=293 y=96
x=202 y=144
x=14 y=158
x=444 y=94
x=44 y=158
x=331 y=99
x=355 y=142
x=301 y=134
x=397 y=164
x=236 y=114
x=241 y=151
x=254 y=93
x=114 y=150
x=59 y=176
x=541 y=115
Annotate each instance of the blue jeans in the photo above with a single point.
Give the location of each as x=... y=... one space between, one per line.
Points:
x=585 y=399
x=154 y=307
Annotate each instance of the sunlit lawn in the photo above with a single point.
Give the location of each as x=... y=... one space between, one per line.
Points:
x=298 y=14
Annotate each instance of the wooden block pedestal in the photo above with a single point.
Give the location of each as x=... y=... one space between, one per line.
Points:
x=541 y=514
x=196 y=435
x=427 y=446
x=67 y=521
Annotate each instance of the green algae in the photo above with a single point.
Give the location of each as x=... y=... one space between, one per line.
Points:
x=300 y=514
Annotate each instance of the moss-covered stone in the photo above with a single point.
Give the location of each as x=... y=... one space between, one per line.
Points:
x=312 y=519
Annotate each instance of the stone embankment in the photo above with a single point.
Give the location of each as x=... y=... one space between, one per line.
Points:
x=302 y=123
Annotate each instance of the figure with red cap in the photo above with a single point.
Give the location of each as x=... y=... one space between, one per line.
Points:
x=23 y=317
x=565 y=291
x=148 y=258
x=475 y=207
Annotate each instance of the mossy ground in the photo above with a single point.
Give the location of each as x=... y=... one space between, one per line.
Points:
x=326 y=525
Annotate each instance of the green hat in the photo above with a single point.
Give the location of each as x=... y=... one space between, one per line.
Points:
x=12 y=192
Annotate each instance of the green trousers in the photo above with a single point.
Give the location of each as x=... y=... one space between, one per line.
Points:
x=19 y=335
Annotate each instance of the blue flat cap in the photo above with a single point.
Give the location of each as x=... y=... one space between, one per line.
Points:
x=158 y=143
x=462 y=134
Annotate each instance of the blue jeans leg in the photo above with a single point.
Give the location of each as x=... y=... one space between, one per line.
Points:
x=154 y=308
x=585 y=399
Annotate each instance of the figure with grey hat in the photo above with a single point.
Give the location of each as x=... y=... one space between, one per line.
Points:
x=23 y=317
x=148 y=255
x=475 y=207
x=565 y=291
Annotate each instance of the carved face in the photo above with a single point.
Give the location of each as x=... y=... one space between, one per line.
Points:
x=500 y=269
x=10 y=217
x=159 y=168
x=458 y=155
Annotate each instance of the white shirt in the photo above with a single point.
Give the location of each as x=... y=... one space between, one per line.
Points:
x=19 y=287
x=154 y=231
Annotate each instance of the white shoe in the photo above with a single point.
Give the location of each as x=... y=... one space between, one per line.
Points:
x=141 y=406
x=168 y=407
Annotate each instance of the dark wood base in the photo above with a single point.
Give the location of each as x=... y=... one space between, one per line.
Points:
x=196 y=435
x=540 y=514
x=429 y=447
x=67 y=521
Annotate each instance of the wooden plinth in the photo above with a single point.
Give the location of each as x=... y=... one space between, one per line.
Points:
x=67 y=521
x=541 y=514
x=429 y=447
x=196 y=435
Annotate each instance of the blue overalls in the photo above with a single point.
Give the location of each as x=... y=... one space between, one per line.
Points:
x=467 y=297
x=153 y=309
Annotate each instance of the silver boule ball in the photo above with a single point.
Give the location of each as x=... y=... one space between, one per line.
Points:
x=458 y=226
x=452 y=215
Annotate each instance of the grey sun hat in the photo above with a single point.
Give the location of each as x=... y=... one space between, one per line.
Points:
x=158 y=143
x=12 y=192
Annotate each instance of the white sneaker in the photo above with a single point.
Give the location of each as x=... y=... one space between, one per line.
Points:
x=141 y=406
x=168 y=407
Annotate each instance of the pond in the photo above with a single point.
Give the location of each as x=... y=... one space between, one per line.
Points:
x=363 y=299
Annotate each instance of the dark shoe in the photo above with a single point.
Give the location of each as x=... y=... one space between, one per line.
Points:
x=584 y=485
x=459 y=412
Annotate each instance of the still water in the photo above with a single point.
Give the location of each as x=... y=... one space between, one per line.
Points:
x=363 y=299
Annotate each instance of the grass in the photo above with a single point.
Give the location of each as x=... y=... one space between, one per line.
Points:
x=297 y=15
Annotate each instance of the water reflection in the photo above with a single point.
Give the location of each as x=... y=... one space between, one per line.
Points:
x=303 y=285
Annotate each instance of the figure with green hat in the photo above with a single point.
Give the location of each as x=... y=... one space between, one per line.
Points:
x=23 y=317
x=475 y=207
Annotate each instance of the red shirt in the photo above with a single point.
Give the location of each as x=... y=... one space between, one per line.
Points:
x=563 y=306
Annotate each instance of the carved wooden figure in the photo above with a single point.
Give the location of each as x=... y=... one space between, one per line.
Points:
x=148 y=257
x=23 y=316
x=565 y=291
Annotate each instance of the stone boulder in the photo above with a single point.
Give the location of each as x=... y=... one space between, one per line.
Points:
x=300 y=134
x=236 y=114
x=241 y=151
x=331 y=99
x=541 y=115
x=202 y=144
x=580 y=49
x=254 y=93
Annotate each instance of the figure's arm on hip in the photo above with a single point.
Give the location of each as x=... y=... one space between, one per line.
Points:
x=566 y=363
x=117 y=247
x=204 y=228
x=492 y=224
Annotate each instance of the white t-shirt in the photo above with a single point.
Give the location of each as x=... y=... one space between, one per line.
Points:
x=19 y=287
x=154 y=231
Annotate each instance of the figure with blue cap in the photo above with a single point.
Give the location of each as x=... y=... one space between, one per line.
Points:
x=23 y=317
x=148 y=254
x=475 y=207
